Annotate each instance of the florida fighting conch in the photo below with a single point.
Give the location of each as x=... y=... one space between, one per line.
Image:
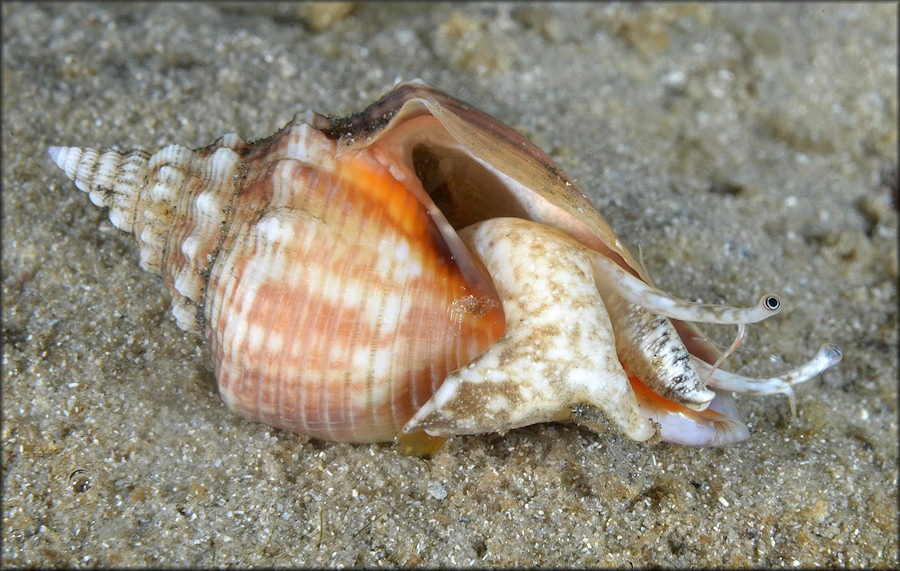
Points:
x=418 y=270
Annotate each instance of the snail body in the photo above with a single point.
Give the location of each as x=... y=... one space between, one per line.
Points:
x=416 y=267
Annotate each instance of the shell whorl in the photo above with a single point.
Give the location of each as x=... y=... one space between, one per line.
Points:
x=331 y=300
x=174 y=202
x=335 y=286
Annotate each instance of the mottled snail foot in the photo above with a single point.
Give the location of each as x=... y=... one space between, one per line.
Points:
x=558 y=349
x=828 y=356
x=613 y=279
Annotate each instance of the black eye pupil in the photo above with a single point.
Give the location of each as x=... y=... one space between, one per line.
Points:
x=772 y=303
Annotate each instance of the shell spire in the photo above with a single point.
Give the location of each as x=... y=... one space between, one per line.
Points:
x=174 y=202
x=111 y=179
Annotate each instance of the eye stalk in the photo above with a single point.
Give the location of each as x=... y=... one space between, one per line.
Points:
x=613 y=279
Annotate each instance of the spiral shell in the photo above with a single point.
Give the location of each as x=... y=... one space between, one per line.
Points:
x=328 y=269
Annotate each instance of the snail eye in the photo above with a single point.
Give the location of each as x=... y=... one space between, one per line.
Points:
x=772 y=303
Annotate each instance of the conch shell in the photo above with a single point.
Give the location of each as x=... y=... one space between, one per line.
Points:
x=417 y=267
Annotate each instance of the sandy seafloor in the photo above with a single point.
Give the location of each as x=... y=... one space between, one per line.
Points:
x=744 y=149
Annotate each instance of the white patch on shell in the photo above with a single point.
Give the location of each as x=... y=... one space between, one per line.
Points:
x=184 y=314
x=308 y=145
x=274 y=230
x=274 y=342
x=190 y=246
x=394 y=259
x=186 y=286
x=207 y=204
x=176 y=155
x=256 y=338
x=390 y=314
